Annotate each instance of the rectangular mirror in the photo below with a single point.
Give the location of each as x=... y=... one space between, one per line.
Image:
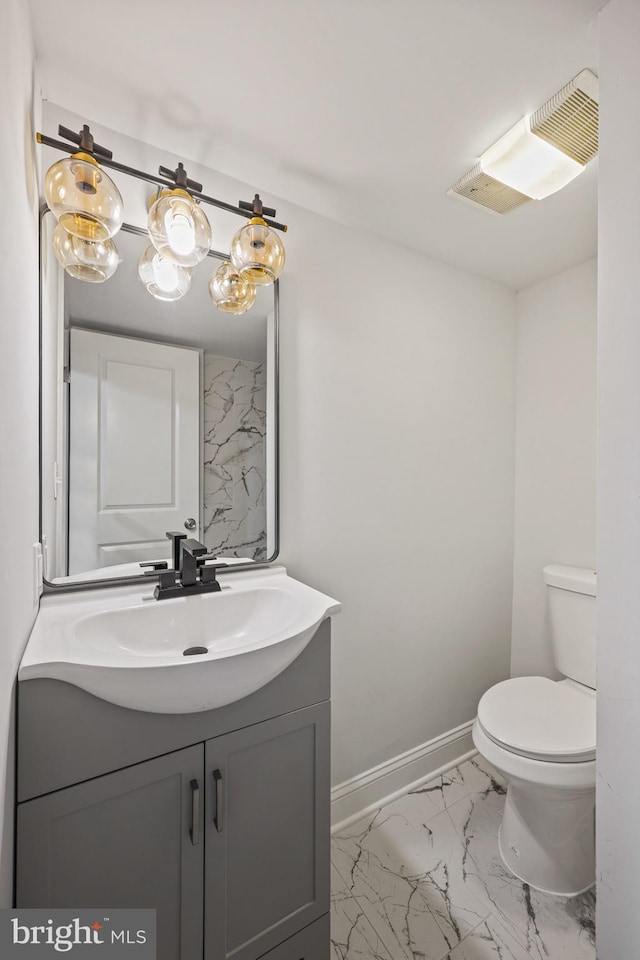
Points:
x=155 y=416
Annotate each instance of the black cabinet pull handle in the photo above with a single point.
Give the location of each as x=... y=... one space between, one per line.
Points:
x=218 y=817
x=194 y=831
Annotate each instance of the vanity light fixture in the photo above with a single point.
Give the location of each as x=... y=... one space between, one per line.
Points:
x=164 y=279
x=178 y=227
x=84 y=200
x=257 y=252
x=91 y=260
x=540 y=154
x=230 y=291
x=89 y=208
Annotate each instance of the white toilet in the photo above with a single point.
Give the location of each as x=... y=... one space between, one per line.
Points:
x=540 y=734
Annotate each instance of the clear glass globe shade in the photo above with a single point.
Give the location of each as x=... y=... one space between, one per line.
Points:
x=84 y=199
x=91 y=260
x=231 y=292
x=257 y=252
x=163 y=279
x=179 y=229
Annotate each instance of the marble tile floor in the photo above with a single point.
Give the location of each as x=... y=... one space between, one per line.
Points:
x=422 y=879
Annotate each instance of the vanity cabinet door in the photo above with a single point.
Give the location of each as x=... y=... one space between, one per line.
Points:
x=267 y=833
x=122 y=840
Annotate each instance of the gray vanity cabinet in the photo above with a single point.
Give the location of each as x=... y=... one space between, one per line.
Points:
x=232 y=833
x=267 y=833
x=122 y=840
x=219 y=820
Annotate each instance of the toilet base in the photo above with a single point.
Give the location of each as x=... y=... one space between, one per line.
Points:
x=547 y=837
x=553 y=893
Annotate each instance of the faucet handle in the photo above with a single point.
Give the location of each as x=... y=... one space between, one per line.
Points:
x=209 y=572
x=166 y=580
x=155 y=566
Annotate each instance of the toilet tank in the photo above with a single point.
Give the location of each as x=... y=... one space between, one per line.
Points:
x=571 y=596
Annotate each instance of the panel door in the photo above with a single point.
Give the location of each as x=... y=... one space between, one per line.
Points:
x=267 y=833
x=126 y=839
x=134 y=448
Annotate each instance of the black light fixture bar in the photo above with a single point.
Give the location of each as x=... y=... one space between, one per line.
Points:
x=158 y=181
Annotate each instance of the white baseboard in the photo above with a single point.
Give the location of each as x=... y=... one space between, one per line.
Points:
x=363 y=794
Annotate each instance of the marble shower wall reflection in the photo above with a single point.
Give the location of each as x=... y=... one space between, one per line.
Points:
x=234 y=457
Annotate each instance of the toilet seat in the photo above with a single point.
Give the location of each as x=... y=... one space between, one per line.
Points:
x=541 y=719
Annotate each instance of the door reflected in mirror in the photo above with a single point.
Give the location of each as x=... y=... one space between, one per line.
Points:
x=156 y=416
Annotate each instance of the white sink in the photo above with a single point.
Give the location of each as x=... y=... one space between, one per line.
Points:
x=130 y=650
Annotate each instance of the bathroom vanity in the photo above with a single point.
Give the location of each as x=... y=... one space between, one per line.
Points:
x=171 y=755
x=218 y=819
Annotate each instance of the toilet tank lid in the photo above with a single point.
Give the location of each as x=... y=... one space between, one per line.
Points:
x=576 y=579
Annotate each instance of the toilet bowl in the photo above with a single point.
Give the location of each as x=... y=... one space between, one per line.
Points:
x=540 y=735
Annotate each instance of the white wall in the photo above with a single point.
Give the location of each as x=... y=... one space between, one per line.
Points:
x=555 y=501
x=397 y=446
x=397 y=480
x=18 y=389
x=618 y=782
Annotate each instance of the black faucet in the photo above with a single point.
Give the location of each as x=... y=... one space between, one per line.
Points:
x=190 y=552
x=189 y=574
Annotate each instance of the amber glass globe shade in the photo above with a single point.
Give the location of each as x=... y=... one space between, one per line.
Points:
x=257 y=252
x=83 y=198
x=231 y=292
x=163 y=279
x=179 y=229
x=91 y=260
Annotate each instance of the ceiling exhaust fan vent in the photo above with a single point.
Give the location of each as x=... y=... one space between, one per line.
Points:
x=569 y=121
x=479 y=187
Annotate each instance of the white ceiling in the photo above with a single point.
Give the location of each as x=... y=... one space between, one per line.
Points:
x=363 y=110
